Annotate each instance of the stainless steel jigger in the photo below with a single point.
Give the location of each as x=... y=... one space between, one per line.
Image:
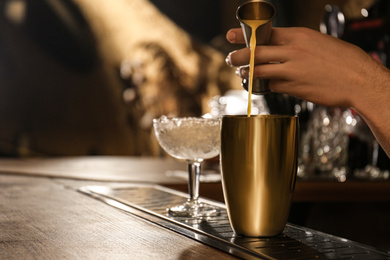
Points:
x=257 y=10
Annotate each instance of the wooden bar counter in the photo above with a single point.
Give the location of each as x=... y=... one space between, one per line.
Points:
x=43 y=216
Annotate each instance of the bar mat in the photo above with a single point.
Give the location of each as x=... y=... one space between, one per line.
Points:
x=296 y=242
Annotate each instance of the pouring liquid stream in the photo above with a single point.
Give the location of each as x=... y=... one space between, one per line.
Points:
x=253 y=24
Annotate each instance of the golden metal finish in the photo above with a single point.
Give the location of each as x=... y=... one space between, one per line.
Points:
x=259 y=165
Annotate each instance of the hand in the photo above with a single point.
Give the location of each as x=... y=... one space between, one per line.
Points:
x=322 y=69
x=309 y=65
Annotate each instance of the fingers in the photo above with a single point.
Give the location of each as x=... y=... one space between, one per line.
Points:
x=270 y=60
x=235 y=36
x=268 y=71
x=263 y=54
x=238 y=58
x=274 y=52
x=278 y=36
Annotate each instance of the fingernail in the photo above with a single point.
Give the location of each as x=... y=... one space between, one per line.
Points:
x=238 y=72
x=231 y=36
x=242 y=72
x=228 y=60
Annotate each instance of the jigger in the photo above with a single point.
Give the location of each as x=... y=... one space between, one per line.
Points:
x=257 y=10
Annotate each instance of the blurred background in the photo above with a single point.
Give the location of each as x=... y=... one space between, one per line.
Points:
x=86 y=77
x=83 y=77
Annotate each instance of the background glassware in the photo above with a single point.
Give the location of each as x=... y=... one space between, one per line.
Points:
x=324 y=151
x=259 y=164
x=338 y=145
x=235 y=102
x=192 y=139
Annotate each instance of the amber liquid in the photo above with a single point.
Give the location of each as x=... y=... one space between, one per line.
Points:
x=253 y=24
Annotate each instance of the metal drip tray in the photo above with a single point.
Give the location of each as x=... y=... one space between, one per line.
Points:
x=151 y=202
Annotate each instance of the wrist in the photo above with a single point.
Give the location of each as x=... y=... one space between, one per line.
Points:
x=372 y=90
x=372 y=102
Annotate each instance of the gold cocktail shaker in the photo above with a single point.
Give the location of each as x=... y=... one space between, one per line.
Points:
x=259 y=164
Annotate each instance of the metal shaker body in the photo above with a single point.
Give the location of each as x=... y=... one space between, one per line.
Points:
x=257 y=10
x=258 y=164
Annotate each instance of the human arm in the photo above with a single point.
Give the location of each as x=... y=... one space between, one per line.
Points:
x=322 y=69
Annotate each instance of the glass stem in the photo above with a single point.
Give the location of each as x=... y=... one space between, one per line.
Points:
x=193 y=180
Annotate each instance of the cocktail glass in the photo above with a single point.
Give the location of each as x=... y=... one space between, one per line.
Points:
x=192 y=139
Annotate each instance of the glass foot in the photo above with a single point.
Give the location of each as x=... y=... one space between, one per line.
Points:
x=193 y=209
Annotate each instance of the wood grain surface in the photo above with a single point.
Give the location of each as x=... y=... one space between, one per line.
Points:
x=46 y=218
x=43 y=216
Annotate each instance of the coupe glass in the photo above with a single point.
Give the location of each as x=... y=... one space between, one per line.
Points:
x=192 y=139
